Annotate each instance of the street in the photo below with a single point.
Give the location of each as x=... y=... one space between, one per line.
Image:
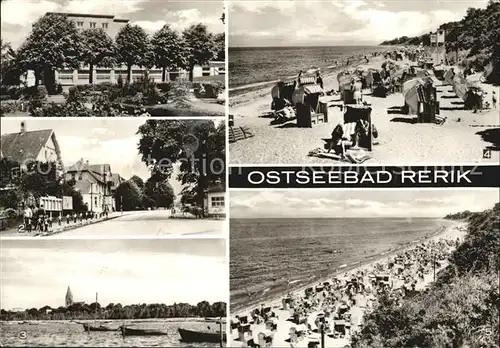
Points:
x=150 y=223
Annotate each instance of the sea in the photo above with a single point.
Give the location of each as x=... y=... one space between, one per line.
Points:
x=250 y=65
x=270 y=257
x=70 y=334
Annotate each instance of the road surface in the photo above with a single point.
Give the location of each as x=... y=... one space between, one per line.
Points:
x=147 y=223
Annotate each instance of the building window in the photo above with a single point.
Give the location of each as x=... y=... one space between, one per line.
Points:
x=105 y=25
x=79 y=24
x=95 y=201
x=80 y=176
x=73 y=177
x=92 y=25
x=217 y=202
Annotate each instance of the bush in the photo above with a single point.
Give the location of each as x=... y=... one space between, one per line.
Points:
x=61 y=110
x=10 y=107
x=208 y=89
x=10 y=92
x=39 y=93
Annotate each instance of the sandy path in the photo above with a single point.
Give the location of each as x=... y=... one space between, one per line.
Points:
x=456 y=230
x=400 y=140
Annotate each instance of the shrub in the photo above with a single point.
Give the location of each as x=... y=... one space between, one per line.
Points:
x=61 y=110
x=208 y=89
x=10 y=107
x=33 y=92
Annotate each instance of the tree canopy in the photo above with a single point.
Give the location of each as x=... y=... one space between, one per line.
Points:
x=97 y=49
x=132 y=47
x=54 y=43
x=197 y=146
x=169 y=49
x=201 y=45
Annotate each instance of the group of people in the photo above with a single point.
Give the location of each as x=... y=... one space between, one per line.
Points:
x=336 y=307
x=39 y=220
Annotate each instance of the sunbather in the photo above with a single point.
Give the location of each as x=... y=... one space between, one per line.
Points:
x=339 y=141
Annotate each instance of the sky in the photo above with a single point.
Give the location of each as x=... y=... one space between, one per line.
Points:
x=358 y=203
x=18 y=15
x=99 y=140
x=337 y=22
x=38 y=273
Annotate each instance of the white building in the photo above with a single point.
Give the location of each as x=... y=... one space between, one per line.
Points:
x=94 y=183
x=215 y=201
x=112 y=25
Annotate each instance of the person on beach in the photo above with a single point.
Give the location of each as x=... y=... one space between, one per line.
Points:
x=319 y=79
x=27 y=218
x=299 y=78
x=338 y=142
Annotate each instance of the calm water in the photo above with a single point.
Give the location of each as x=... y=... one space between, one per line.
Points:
x=268 y=253
x=73 y=335
x=252 y=65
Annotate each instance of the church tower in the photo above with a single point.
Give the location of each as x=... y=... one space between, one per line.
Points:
x=69 y=298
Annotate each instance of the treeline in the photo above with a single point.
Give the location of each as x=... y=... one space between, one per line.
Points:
x=135 y=194
x=476 y=39
x=460 y=310
x=464 y=215
x=84 y=311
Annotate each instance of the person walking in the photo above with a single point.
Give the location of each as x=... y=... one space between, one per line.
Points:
x=494 y=99
x=27 y=218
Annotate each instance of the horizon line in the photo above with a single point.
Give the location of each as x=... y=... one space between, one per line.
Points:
x=343 y=217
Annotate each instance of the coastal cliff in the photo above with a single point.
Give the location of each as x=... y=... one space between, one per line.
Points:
x=461 y=309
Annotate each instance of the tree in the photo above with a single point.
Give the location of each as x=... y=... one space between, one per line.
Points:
x=201 y=45
x=159 y=191
x=199 y=147
x=97 y=50
x=129 y=196
x=132 y=46
x=220 y=45
x=9 y=69
x=54 y=43
x=169 y=50
x=138 y=181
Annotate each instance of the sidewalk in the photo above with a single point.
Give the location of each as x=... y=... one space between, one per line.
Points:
x=55 y=229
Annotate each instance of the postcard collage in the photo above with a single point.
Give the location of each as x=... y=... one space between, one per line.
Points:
x=287 y=173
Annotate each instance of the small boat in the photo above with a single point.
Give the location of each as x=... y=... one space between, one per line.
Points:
x=190 y=336
x=126 y=331
x=100 y=328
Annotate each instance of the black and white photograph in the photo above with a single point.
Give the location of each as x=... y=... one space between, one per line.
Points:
x=364 y=268
x=89 y=58
x=363 y=81
x=114 y=293
x=120 y=177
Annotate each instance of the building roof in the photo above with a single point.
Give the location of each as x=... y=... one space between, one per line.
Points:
x=24 y=145
x=117 y=179
x=215 y=189
x=98 y=171
x=88 y=15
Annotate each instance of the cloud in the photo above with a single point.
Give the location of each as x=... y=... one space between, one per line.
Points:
x=337 y=22
x=383 y=203
x=33 y=277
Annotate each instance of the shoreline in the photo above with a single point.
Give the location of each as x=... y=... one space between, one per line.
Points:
x=252 y=91
x=274 y=300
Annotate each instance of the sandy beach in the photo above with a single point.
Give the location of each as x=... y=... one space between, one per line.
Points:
x=362 y=302
x=400 y=138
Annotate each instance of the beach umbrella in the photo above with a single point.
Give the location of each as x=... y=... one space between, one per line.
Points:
x=474 y=80
x=301 y=328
